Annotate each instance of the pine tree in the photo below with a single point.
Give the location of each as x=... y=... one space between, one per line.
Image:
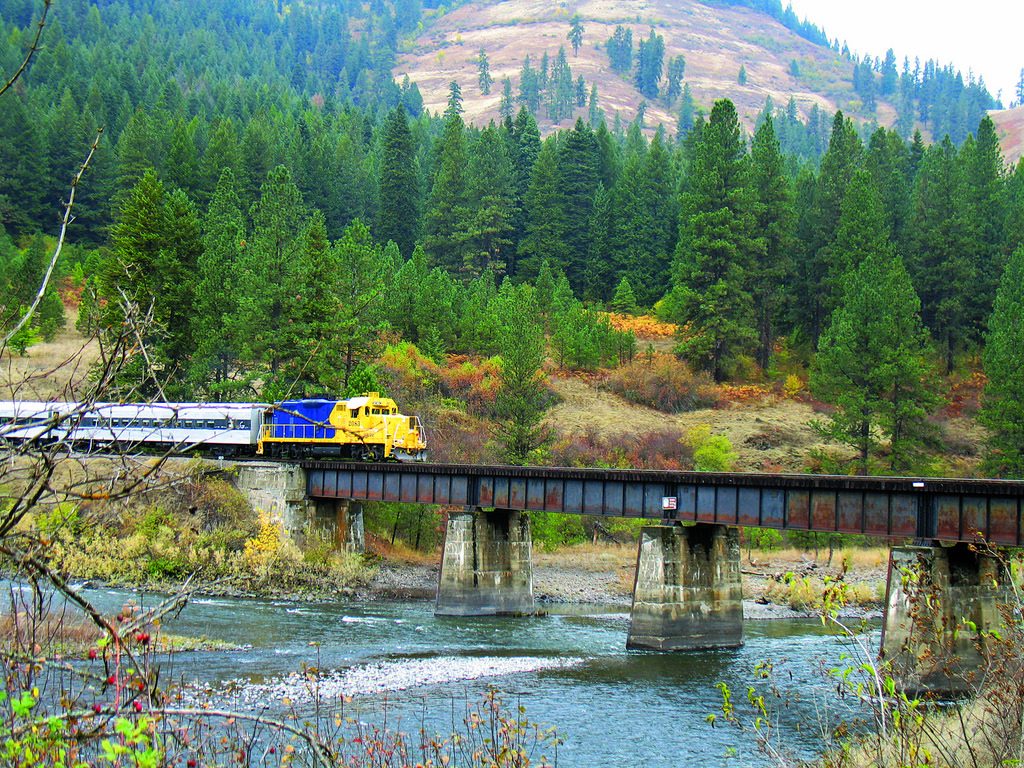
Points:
x=545 y=288
x=889 y=74
x=529 y=87
x=359 y=309
x=581 y=92
x=624 y=299
x=454 y=108
x=939 y=251
x=561 y=92
x=862 y=231
x=985 y=202
x=398 y=210
x=478 y=321
x=448 y=205
x=545 y=221
x=837 y=167
x=222 y=152
x=717 y=246
x=577 y=162
x=1015 y=209
x=776 y=222
x=483 y=68
x=687 y=113
x=268 y=276
x=1003 y=403
x=521 y=398
x=603 y=262
x=137 y=151
x=155 y=245
x=620 y=49
x=506 y=108
x=181 y=167
x=888 y=159
x=315 y=331
x=676 y=70
x=595 y=114
x=217 y=289
x=872 y=365
x=741 y=78
x=575 y=35
x=492 y=195
x=523 y=153
x=650 y=63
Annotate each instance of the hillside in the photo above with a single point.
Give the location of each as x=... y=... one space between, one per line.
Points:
x=716 y=41
x=1010 y=125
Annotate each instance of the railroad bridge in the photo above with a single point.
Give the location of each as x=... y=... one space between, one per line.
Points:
x=687 y=593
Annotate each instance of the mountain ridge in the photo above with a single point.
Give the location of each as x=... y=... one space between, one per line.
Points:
x=715 y=39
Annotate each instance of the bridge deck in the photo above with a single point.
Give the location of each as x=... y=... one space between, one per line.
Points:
x=939 y=509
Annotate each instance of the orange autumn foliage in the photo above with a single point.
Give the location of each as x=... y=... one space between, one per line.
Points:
x=642 y=326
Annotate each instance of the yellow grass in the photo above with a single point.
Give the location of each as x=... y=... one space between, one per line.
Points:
x=55 y=370
x=589 y=557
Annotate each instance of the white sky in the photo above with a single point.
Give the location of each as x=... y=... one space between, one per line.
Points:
x=980 y=35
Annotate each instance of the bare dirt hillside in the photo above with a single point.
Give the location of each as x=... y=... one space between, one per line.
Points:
x=773 y=432
x=1010 y=125
x=716 y=41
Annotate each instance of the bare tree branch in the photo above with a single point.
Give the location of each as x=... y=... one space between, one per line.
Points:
x=60 y=242
x=33 y=49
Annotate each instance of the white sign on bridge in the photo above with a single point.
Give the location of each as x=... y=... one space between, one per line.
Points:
x=668 y=503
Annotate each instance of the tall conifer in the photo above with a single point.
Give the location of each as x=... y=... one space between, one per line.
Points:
x=398 y=211
x=1003 y=404
x=872 y=365
x=717 y=246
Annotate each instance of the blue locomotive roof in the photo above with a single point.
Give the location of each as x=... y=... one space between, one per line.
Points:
x=302 y=411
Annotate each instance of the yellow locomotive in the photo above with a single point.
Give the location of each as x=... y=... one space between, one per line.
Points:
x=368 y=427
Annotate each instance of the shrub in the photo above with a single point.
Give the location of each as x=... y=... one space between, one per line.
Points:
x=793 y=386
x=62 y=519
x=663 y=449
x=763 y=539
x=474 y=383
x=711 y=453
x=550 y=530
x=167 y=567
x=407 y=374
x=665 y=383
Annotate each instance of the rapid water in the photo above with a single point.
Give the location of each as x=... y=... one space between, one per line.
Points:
x=569 y=669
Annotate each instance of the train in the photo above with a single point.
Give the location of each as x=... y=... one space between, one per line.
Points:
x=367 y=427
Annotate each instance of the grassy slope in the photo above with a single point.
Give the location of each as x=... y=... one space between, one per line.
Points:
x=769 y=432
x=52 y=370
x=714 y=40
x=1010 y=125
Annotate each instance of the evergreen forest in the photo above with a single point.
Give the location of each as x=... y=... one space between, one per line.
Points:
x=284 y=213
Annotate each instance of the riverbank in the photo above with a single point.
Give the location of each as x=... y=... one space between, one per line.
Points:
x=777 y=585
x=782 y=585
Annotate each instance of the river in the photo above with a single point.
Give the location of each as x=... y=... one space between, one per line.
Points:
x=569 y=669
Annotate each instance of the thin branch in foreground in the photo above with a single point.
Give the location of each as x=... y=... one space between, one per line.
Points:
x=32 y=50
x=60 y=240
x=319 y=750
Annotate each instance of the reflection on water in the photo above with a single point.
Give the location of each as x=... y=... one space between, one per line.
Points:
x=569 y=669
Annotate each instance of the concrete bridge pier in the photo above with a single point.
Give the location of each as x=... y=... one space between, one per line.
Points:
x=341 y=521
x=487 y=565
x=687 y=594
x=279 y=490
x=940 y=602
